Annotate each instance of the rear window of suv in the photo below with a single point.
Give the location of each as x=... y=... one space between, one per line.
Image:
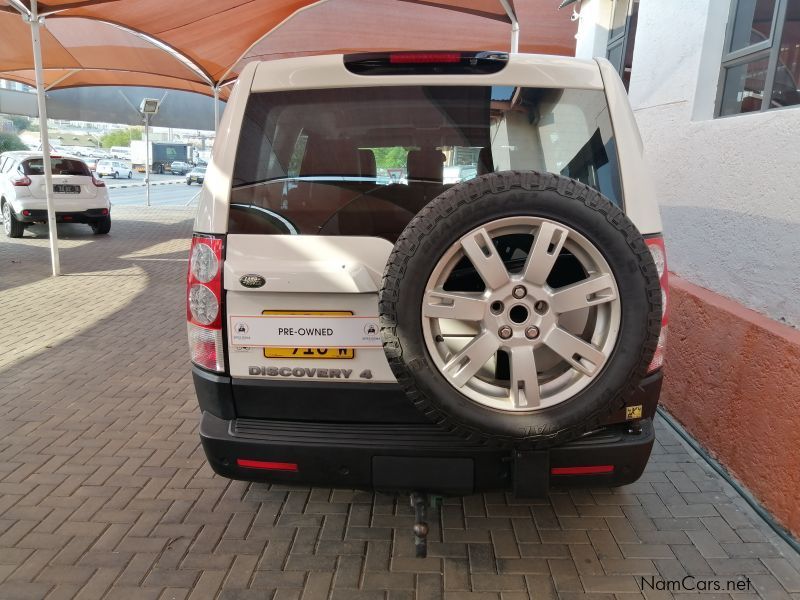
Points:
x=60 y=166
x=364 y=161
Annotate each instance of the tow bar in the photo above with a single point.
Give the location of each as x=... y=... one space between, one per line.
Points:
x=420 y=502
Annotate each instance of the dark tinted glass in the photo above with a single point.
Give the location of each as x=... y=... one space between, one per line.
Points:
x=743 y=90
x=364 y=161
x=60 y=166
x=752 y=22
x=786 y=88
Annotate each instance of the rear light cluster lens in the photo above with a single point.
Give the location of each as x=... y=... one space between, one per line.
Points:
x=657 y=250
x=23 y=181
x=203 y=263
x=204 y=303
x=205 y=346
x=98 y=182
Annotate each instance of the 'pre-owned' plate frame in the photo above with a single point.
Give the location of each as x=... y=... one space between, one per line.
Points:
x=318 y=353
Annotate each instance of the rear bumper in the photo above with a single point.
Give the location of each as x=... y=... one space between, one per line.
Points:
x=414 y=456
x=86 y=216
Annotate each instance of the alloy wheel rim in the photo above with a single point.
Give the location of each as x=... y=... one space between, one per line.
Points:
x=555 y=340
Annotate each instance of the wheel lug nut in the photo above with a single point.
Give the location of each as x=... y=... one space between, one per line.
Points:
x=519 y=292
x=532 y=333
x=505 y=332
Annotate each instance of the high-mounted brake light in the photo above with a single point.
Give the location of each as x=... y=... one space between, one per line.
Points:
x=417 y=58
x=426 y=63
x=23 y=181
x=204 y=302
x=658 y=251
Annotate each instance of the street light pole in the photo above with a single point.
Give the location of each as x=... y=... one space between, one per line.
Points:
x=147 y=156
x=148 y=107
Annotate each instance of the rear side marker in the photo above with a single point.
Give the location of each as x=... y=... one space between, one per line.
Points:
x=588 y=470
x=266 y=465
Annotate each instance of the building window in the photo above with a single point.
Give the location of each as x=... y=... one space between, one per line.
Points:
x=621 y=37
x=761 y=58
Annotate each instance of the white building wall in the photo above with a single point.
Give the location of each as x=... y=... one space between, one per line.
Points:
x=729 y=188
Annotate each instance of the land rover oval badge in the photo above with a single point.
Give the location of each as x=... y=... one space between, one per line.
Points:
x=252 y=281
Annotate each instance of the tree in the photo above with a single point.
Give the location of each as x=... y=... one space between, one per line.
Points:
x=22 y=124
x=390 y=158
x=121 y=137
x=11 y=141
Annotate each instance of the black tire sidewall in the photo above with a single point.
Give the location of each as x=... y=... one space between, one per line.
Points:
x=637 y=336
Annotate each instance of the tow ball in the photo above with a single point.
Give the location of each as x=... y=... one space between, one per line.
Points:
x=420 y=503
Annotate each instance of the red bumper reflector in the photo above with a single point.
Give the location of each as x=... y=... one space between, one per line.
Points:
x=407 y=58
x=589 y=470
x=266 y=465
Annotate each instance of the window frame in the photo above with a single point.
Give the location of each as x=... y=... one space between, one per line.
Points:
x=623 y=39
x=769 y=49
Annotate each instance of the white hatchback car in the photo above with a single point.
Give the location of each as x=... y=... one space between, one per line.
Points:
x=500 y=327
x=114 y=168
x=78 y=196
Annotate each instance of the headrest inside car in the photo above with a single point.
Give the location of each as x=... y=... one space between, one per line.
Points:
x=425 y=165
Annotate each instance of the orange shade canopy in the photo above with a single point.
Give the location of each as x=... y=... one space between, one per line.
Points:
x=190 y=45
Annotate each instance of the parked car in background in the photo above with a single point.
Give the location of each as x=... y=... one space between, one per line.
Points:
x=78 y=196
x=113 y=168
x=91 y=163
x=196 y=175
x=123 y=152
x=179 y=167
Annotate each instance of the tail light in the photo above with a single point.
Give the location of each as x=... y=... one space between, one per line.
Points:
x=657 y=250
x=23 y=181
x=98 y=182
x=204 y=302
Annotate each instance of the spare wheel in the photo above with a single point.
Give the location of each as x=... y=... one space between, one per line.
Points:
x=520 y=307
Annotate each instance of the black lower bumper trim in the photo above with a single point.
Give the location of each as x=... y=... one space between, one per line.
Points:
x=402 y=457
x=348 y=402
x=87 y=216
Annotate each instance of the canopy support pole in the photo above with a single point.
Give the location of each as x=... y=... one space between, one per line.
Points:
x=215 y=89
x=48 y=167
x=514 y=25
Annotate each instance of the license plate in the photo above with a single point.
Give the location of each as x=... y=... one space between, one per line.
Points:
x=321 y=353
x=60 y=188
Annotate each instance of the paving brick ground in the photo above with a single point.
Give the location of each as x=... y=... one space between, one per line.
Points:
x=104 y=491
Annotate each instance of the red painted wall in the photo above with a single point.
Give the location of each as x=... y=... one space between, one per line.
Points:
x=733 y=381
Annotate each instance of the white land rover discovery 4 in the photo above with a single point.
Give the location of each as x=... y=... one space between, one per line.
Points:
x=356 y=320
